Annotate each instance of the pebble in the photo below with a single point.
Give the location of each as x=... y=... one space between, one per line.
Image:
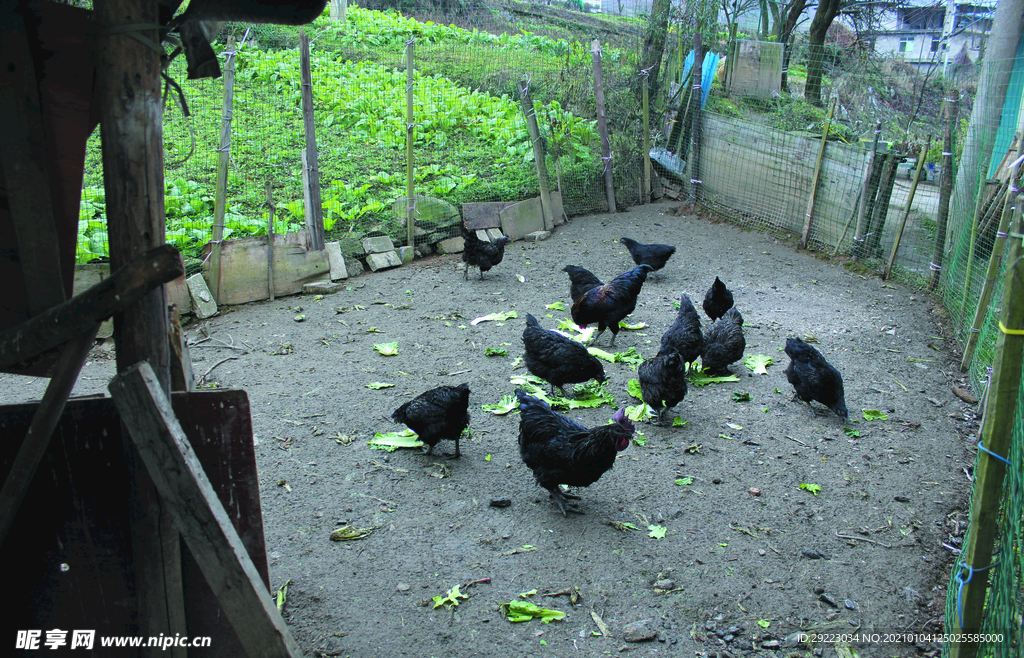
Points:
x=665 y=584
x=403 y=587
x=761 y=552
x=716 y=480
x=850 y=605
x=770 y=644
x=754 y=491
x=901 y=499
x=812 y=554
x=502 y=501
x=828 y=600
x=638 y=632
x=819 y=590
x=710 y=626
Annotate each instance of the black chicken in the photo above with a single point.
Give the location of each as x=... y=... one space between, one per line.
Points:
x=581 y=280
x=561 y=451
x=655 y=255
x=662 y=382
x=724 y=343
x=556 y=359
x=440 y=413
x=814 y=378
x=477 y=253
x=684 y=336
x=607 y=304
x=718 y=300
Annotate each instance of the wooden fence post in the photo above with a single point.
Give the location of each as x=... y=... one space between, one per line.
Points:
x=602 y=126
x=945 y=187
x=314 y=220
x=695 y=130
x=410 y=136
x=906 y=212
x=865 y=194
x=270 y=241
x=645 y=81
x=223 y=162
x=539 y=154
x=817 y=175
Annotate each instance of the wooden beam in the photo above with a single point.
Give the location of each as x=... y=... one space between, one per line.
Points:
x=817 y=174
x=23 y=157
x=314 y=221
x=539 y=154
x=33 y=447
x=114 y=294
x=602 y=126
x=199 y=514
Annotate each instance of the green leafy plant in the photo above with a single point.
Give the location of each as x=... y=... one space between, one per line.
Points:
x=874 y=414
x=813 y=488
x=387 y=349
x=449 y=598
x=758 y=363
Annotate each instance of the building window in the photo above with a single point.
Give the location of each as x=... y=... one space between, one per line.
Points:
x=936 y=44
x=906 y=44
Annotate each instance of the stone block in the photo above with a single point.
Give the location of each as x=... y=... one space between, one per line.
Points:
x=557 y=208
x=351 y=245
x=493 y=234
x=406 y=254
x=451 y=246
x=481 y=234
x=382 y=261
x=354 y=266
x=322 y=288
x=483 y=215
x=537 y=236
x=379 y=245
x=336 y=261
x=424 y=250
x=521 y=219
x=202 y=299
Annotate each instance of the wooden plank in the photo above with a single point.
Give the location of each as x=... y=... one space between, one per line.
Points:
x=483 y=214
x=244 y=277
x=315 y=220
x=182 y=378
x=36 y=440
x=23 y=157
x=199 y=514
x=112 y=295
x=602 y=125
x=223 y=160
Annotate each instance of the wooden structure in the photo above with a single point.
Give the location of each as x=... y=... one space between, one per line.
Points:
x=96 y=516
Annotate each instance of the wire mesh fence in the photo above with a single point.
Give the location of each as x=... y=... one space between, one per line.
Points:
x=763 y=164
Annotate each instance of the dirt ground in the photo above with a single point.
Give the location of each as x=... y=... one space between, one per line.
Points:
x=747 y=553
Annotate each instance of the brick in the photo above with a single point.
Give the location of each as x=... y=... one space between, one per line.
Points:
x=406 y=254
x=523 y=218
x=451 y=245
x=537 y=236
x=336 y=261
x=382 y=261
x=202 y=299
x=378 y=245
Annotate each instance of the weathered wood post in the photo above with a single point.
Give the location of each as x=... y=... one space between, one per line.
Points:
x=866 y=194
x=817 y=174
x=539 y=153
x=646 y=189
x=223 y=162
x=945 y=187
x=695 y=130
x=906 y=211
x=410 y=137
x=315 y=219
x=270 y=241
x=602 y=126
x=338 y=10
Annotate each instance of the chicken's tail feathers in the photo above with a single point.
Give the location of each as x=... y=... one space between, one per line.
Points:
x=531 y=321
x=526 y=401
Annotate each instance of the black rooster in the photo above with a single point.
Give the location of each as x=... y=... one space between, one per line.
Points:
x=684 y=336
x=581 y=280
x=440 y=413
x=662 y=382
x=718 y=300
x=607 y=304
x=655 y=255
x=814 y=378
x=556 y=359
x=478 y=253
x=724 y=343
x=561 y=451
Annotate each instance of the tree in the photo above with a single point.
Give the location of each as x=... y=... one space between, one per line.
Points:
x=823 y=16
x=654 y=42
x=784 y=31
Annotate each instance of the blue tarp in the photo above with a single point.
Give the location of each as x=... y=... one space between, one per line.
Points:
x=708 y=70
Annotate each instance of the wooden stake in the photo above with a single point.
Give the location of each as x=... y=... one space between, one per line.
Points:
x=695 y=128
x=223 y=162
x=270 y=241
x=816 y=175
x=865 y=193
x=997 y=436
x=539 y=153
x=315 y=219
x=646 y=189
x=945 y=187
x=906 y=212
x=853 y=213
x=410 y=135
x=880 y=211
x=602 y=126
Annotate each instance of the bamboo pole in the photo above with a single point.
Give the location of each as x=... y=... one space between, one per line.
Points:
x=410 y=136
x=646 y=190
x=997 y=434
x=865 y=193
x=993 y=269
x=945 y=188
x=602 y=126
x=906 y=211
x=817 y=175
x=223 y=162
x=695 y=130
x=270 y=242
x=539 y=154
x=315 y=219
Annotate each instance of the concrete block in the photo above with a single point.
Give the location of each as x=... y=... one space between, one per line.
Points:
x=483 y=215
x=537 y=236
x=557 y=208
x=336 y=261
x=454 y=245
x=322 y=288
x=202 y=300
x=378 y=245
x=352 y=245
x=424 y=250
x=406 y=254
x=482 y=235
x=354 y=266
x=521 y=219
x=493 y=234
x=383 y=261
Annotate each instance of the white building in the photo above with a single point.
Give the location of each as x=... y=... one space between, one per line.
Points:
x=927 y=33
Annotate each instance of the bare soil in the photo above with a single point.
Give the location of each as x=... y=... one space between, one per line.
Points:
x=745 y=547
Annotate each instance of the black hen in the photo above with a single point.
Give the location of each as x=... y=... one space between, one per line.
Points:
x=655 y=255
x=663 y=382
x=718 y=300
x=684 y=336
x=556 y=359
x=478 y=253
x=440 y=413
x=581 y=280
x=607 y=304
x=561 y=451
x=814 y=378
x=724 y=343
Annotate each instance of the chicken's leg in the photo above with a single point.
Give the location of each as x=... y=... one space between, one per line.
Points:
x=560 y=500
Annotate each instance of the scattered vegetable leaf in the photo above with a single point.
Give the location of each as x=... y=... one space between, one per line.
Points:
x=282 y=594
x=522 y=279
x=851 y=432
x=734 y=426
x=679 y=422
x=387 y=349
x=505 y=405
x=701 y=378
x=758 y=363
x=516 y=611
x=813 y=488
x=763 y=623
x=633 y=386
x=639 y=412
x=874 y=414
x=631 y=327
x=558 y=306
x=740 y=397
x=640 y=439
x=451 y=597
x=682 y=482
x=378 y=385
x=495 y=351
x=500 y=317
x=657 y=531
x=487 y=458
x=391 y=441
x=349 y=533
